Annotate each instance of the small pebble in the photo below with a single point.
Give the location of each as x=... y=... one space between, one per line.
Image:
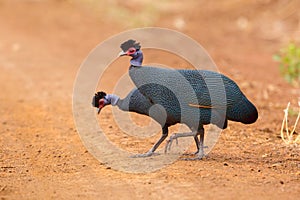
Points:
x=281 y=182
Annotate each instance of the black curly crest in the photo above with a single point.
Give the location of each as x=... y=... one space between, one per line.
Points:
x=97 y=97
x=130 y=43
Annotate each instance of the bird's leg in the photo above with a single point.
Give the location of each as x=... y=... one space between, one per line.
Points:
x=156 y=145
x=200 y=153
x=175 y=136
x=200 y=146
x=197 y=143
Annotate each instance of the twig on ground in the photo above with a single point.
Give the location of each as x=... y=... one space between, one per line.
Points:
x=3 y=188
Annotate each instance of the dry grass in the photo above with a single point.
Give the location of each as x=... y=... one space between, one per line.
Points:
x=290 y=137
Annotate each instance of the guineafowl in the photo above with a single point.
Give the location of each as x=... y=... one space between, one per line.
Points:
x=138 y=103
x=192 y=97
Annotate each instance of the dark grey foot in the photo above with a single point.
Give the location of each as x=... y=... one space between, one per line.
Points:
x=143 y=155
x=198 y=157
x=192 y=154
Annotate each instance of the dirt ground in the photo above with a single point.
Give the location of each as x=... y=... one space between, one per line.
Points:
x=43 y=43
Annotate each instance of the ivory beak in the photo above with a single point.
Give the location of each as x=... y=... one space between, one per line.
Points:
x=122 y=53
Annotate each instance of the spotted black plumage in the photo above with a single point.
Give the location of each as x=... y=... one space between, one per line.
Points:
x=192 y=97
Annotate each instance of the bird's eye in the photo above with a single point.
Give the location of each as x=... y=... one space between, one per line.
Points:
x=131 y=50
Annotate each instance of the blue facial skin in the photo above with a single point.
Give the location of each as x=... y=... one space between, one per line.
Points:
x=137 y=58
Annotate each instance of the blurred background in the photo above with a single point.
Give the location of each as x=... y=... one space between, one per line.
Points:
x=44 y=42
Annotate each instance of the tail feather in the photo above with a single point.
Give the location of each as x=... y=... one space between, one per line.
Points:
x=244 y=111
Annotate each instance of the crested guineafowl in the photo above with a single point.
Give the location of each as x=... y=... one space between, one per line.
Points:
x=138 y=103
x=192 y=97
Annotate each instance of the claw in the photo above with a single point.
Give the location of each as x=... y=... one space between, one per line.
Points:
x=195 y=153
x=199 y=156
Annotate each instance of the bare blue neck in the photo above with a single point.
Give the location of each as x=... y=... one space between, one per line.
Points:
x=112 y=99
x=137 y=58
